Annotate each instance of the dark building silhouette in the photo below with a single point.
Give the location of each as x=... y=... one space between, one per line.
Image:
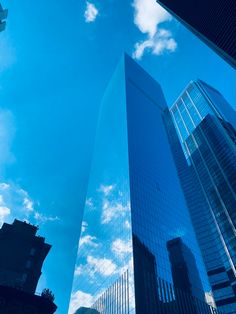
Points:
x=213 y=22
x=184 y=269
x=15 y=301
x=22 y=254
x=3 y=16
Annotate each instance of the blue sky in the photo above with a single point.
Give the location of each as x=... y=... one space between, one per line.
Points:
x=56 y=58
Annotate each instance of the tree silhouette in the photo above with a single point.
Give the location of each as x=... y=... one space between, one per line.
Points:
x=47 y=294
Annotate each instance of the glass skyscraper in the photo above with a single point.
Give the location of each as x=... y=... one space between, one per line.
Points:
x=136 y=230
x=205 y=126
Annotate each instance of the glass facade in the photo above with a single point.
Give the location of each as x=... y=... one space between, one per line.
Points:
x=205 y=131
x=212 y=22
x=103 y=276
x=135 y=210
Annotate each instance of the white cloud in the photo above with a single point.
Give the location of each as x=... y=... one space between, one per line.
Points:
x=88 y=240
x=112 y=210
x=79 y=270
x=127 y=224
x=16 y=200
x=159 y=44
x=106 y=189
x=121 y=247
x=41 y=218
x=148 y=15
x=90 y=13
x=21 y=206
x=103 y=266
x=4 y=186
x=4 y=212
x=28 y=204
x=89 y=202
x=112 y=203
x=84 y=226
x=78 y=299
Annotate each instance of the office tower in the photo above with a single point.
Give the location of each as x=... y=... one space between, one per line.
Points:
x=21 y=255
x=212 y=21
x=134 y=206
x=3 y=16
x=204 y=128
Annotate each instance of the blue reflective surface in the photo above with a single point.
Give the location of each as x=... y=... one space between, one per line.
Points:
x=134 y=206
x=158 y=208
x=210 y=183
x=105 y=248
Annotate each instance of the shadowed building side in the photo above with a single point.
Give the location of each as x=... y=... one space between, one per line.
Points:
x=213 y=22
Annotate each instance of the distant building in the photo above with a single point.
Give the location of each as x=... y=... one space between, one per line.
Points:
x=213 y=22
x=3 y=16
x=184 y=269
x=22 y=254
x=146 y=267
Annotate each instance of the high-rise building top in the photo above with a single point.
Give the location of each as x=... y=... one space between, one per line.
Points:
x=213 y=22
x=21 y=255
x=3 y=16
x=134 y=206
x=200 y=99
x=204 y=124
x=197 y=101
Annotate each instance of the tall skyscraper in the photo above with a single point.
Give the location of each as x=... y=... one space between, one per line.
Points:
x=212 y=21
x=204 y=123
x=3 y=16
x=21 y=255
x=134 y=207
